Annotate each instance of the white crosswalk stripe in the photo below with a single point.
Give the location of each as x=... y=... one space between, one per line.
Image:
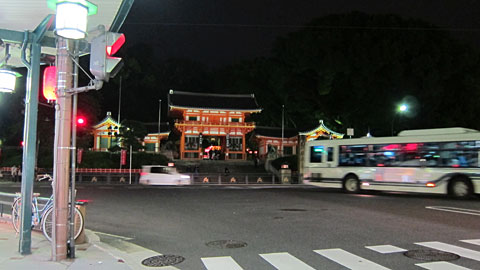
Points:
x=385 y=249
x=221 y=263
x=463 y=252
x=441 y=266
x=472 y=241
x=285 y=261
x=349 y=260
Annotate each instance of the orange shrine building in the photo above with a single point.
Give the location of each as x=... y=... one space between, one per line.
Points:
x=212 y=126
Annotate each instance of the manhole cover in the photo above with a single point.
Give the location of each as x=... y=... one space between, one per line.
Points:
x=293 y=210
x=226 y=244
x=163 y=260
x=431 y=255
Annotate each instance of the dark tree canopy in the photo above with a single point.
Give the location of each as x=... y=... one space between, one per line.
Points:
x=355 y=68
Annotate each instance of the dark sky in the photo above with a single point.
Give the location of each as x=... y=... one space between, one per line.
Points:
x=217 y=32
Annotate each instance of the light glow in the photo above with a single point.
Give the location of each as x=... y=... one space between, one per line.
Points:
x=431 y=184
x=50 y=83
x=8 y=79
x=71 y=20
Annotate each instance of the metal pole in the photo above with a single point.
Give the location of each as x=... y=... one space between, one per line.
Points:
x=119 y=99
x=281 y=144
x=130 y=180
x=30 y=143
x=62 y=150
x=73 y=156
x=159 y=118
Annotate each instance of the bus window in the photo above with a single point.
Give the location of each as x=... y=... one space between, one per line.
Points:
x=330 y=153
x=316 y=153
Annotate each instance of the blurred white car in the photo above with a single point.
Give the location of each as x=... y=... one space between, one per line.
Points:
x=162 y=175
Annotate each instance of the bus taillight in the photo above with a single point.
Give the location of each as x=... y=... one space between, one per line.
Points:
x=431 y=184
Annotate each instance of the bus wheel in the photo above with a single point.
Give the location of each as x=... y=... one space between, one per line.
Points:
x=460 y=188
x=351 y=184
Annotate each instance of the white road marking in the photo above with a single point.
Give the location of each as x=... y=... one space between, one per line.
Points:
x=385 y=249
x=221 y=263
x=441 y=266
x=463 y=252
x=285 y=261
x=349 y=260
x=113 y=235
x=472 y=241
x=455 y=210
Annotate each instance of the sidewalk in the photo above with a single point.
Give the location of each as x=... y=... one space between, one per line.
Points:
x=96 y=254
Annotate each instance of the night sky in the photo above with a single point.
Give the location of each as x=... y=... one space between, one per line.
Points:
x=217 y=32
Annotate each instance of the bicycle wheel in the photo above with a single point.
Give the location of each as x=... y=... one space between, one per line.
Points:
x=17 y=212
x=47 y=223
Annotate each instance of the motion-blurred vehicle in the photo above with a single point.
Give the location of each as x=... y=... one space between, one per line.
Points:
x=162 y=175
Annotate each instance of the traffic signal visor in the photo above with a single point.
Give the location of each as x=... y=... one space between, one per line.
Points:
x=102 y=65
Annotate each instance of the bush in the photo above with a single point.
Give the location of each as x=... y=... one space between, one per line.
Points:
x=112 y=160
x=292 y=162
x=10 y=157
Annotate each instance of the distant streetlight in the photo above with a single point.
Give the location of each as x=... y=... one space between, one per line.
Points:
x=402 y=108
x=71 y=17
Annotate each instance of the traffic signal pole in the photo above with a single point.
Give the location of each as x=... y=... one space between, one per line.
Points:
x=63 y=114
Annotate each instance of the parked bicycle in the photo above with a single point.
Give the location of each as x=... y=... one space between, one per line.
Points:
x=43 y=216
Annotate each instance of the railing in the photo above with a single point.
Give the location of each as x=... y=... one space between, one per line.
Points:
x=215 y=124
x=233 y=178
x=6 y=200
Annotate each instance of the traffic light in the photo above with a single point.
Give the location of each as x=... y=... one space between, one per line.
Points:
x=81 y=121
x=102 y=65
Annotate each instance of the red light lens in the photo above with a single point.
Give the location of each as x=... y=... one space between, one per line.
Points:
x=111 y=50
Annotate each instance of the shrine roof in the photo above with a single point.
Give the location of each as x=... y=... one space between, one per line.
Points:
x=190 y=100
x=275 y=132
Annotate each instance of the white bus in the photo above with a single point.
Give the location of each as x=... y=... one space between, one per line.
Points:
x=444 y=161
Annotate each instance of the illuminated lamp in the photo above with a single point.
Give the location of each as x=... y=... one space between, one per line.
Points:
x=171 y=164
x=50 y=83
x=430 y=184
x=71 y=17
x=8 y=79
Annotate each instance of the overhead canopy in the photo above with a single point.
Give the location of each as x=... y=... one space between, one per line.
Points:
x=18 y=16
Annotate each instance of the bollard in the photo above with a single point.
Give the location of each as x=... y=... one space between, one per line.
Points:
x=83 y=209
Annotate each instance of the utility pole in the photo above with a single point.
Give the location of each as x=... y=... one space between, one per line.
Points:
x=119 y=99
x=63 y=114
x=283 y=116
x=159 y=118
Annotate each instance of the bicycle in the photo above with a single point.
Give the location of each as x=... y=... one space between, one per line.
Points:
x=44 y=215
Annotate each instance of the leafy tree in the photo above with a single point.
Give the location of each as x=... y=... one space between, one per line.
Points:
x=131 y=133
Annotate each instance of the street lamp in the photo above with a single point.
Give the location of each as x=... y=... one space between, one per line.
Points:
x=402 y=108
x=8 y=77
x=71 y=17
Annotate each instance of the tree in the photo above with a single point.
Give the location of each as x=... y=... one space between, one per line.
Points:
x=131 y=133
x=354 y=68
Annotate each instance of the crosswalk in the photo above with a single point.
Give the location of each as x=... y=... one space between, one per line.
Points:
x=286 y=261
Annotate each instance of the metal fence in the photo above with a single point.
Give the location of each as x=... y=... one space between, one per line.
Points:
x=233 y=178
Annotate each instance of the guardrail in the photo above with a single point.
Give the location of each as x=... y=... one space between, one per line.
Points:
x=6 y=204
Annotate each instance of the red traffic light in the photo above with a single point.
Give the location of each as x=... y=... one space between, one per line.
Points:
x=81 y=121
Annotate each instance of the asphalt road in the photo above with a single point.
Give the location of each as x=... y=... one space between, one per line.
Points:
x=283 y=228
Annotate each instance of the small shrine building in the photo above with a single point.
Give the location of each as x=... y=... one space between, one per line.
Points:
x=105 y=135
x=212 y=126
x=269 y=142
